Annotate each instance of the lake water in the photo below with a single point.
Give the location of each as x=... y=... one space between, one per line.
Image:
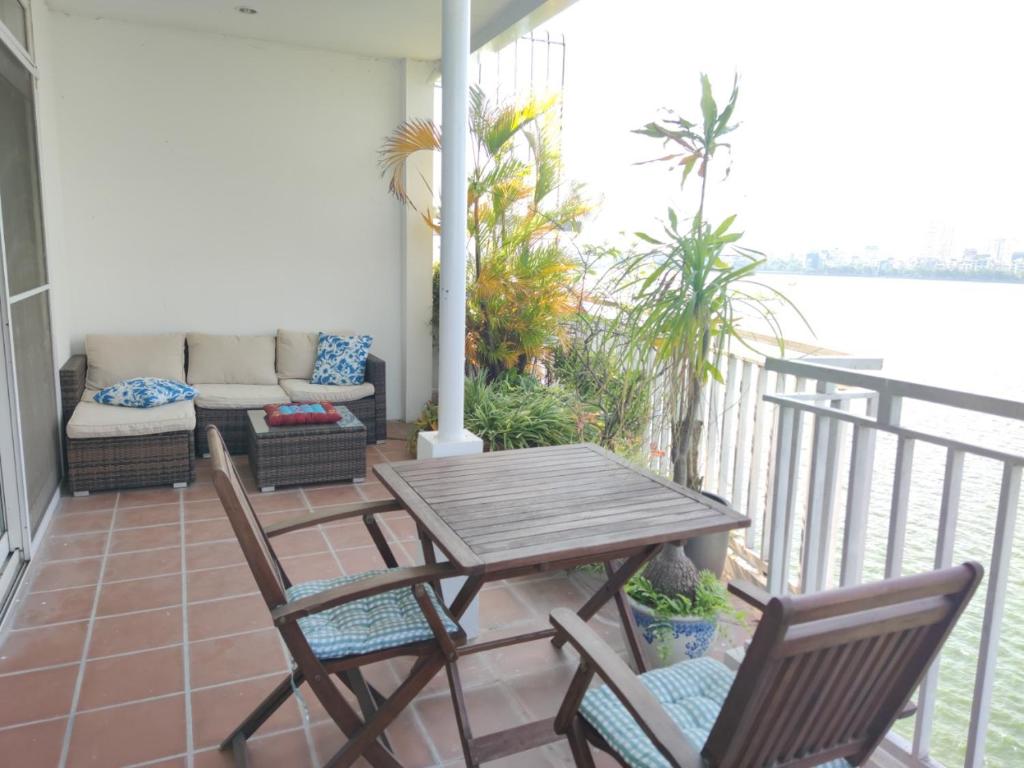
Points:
x=960 y=335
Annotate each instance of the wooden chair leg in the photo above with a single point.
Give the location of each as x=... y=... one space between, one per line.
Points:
x=365 y=738
x=461 y=714
x=262 y=713
x=579 y=746
x=629 y=628
x=354 y=680
x=617 y=579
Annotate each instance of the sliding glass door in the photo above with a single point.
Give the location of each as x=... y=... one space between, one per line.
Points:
x=29 y=419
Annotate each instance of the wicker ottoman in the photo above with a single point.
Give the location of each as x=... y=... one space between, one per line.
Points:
x=313 y=453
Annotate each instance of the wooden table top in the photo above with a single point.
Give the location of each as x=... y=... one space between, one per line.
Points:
x=510 y=509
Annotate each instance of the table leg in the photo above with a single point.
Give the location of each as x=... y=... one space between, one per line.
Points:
x=429 y=556
x=616 y=581
x=466 y=594
x=628 y=625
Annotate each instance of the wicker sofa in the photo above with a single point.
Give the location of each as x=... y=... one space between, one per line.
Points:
x=107 y=447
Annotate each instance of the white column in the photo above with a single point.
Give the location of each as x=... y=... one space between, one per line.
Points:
x=452 y=439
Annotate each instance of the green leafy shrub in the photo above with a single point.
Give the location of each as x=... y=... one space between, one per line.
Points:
x=618 y=393
x=708 y=600
x=517 y=411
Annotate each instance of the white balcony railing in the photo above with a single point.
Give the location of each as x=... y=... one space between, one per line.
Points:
x=788 y=439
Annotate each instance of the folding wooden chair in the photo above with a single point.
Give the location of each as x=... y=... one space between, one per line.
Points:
x=336 y=626
x=823 y=680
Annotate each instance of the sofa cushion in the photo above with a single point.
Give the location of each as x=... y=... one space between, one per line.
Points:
x=116 y=357
x=92 y=420
x=301 y=391
x=216 y=359
x=296 y=352
x=232 y=396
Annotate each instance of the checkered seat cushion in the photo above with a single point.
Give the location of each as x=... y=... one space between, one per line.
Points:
x=692 y=693
x=370 y=624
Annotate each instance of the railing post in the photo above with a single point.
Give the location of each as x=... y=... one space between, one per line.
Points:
x=858 y=500
x=728 y=433
x=711 y=427
x=773 y=465
x=818 y=523
x=754 y=486
x=995 y=605
x=898 y=509
x=739 y=470
x=949 y=510
x=787 y=466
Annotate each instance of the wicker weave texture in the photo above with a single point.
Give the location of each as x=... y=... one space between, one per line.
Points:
x=107 y=463
x=318 y=454
x=234 y=424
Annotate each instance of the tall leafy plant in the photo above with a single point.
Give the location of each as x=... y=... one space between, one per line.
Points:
x=688 y=290
x=518 y=210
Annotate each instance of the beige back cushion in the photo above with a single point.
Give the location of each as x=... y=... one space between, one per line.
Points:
x=113 y=358
x=296 y=352
x=230 y=359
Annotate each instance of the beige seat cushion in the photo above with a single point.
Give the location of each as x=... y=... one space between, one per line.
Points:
x=296 y=352
x=113 y=358
x=231 y=396
x=301 y=391
x=230 y=359
x=91 y=420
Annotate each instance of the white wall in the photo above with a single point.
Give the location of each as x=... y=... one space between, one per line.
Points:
x=224 y=185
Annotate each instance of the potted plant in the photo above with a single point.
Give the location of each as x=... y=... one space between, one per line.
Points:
x=676 y=609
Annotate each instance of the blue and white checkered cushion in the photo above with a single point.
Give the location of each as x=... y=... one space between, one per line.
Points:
x=692 y=693
x=370 y=624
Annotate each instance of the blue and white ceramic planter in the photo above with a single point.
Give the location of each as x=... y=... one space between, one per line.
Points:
x=667 y=641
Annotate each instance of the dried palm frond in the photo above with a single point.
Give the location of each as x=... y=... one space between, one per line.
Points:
x=412 y=136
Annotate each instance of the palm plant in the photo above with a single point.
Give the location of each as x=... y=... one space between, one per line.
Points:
x=520 y=283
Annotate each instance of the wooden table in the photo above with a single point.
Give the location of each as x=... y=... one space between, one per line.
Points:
x=509 y=513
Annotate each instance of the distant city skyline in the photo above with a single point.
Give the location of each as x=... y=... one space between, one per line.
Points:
x=890 y=125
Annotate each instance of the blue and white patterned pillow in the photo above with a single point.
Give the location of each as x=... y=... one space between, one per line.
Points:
x=145 y=392
x=341 y=360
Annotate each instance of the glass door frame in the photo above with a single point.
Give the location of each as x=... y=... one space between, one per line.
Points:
x=16 y=543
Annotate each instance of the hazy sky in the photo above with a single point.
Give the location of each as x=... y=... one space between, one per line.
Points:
x=861 y=123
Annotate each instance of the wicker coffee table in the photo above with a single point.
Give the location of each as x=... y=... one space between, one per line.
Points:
x=307 y=453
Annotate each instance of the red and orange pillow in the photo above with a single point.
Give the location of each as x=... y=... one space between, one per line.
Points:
x=286 y=414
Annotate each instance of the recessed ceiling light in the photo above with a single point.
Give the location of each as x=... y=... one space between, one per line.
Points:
x=245 y=9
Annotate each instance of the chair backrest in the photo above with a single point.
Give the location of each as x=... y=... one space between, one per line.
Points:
x=247 y=528
x=827 y=674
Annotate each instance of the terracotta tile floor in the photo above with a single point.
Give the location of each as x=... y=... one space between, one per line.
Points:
x=138 y=638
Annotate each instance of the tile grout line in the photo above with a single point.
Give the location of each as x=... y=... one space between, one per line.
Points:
x=145 y=699
x=66 y=746
x=320 y=530
x=186 y=653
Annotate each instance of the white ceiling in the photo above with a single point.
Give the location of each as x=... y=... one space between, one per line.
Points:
x=388 y=28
